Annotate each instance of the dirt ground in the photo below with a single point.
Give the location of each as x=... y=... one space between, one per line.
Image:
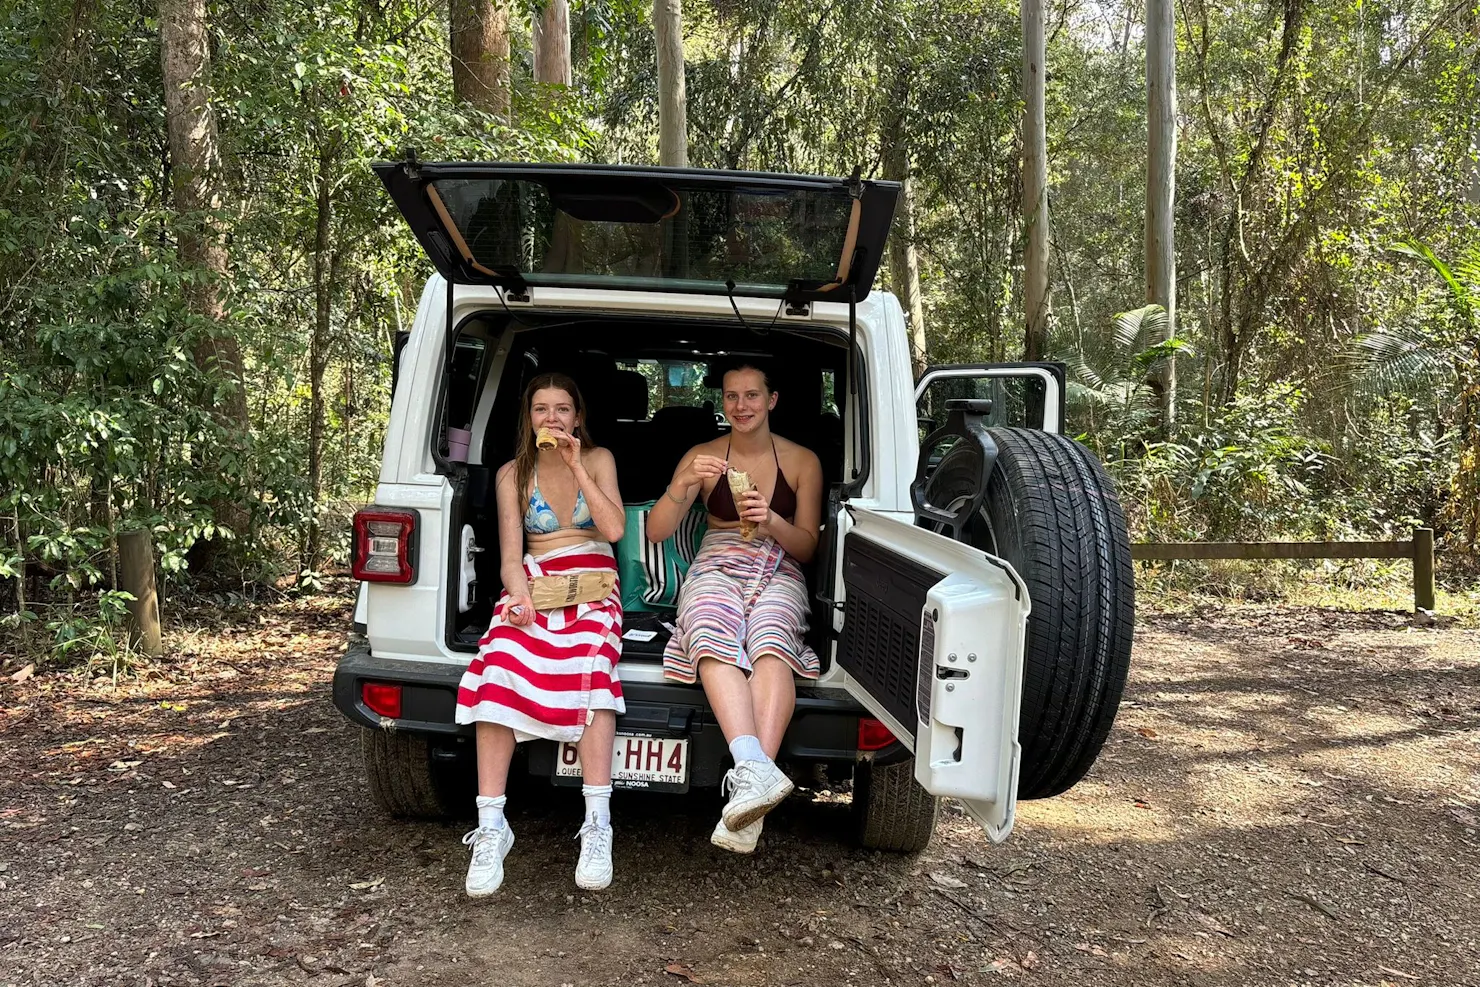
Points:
x=1288 y=797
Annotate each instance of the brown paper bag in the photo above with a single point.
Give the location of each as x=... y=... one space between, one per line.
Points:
x=554 y=592
x=740 y=482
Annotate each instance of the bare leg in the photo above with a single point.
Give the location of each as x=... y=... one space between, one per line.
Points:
x=729 y=696
x=595 y=747
x=495 y=751
x=773 y=697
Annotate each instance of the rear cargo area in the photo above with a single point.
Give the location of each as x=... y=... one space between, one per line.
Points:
x=653 y=392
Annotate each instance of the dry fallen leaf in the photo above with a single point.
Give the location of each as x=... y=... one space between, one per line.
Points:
x=1214 y=925
x=946 y=880
x=374 y=882
x=23 y=674
x=1396 y=973
x=1030 y=961
x=679 y=970
x=1146 y=732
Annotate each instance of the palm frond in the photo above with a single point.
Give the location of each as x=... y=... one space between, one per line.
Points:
x=1462 y=294
x=1080 y=368
x=1134 y=329
x=1387 y=361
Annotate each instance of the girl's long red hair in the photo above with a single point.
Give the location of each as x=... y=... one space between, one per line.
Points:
x=527 y=454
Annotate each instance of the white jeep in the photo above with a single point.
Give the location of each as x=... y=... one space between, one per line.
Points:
x=973 y=596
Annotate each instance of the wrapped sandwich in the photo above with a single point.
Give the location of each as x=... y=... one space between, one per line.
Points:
x=740 y=482
x=544 y=439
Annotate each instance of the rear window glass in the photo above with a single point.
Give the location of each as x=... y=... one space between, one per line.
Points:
x=648 y=233
x=1016 y=401
x=676 y=383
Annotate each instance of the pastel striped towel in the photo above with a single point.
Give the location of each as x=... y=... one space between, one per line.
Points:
x=740 y=600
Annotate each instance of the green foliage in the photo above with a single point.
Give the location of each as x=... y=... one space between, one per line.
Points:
x=106 y=420
x=1327 y=382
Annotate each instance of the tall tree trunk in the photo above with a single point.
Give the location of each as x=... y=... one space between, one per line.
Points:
x=185 y=60
x=673 y=111
x=552 y=43
x=1035 y=183
x=325 y=271
x=904 y=262
x=480 y=54
x=1161 y=170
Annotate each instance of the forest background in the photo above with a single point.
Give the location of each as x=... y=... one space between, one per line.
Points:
x=201 y=279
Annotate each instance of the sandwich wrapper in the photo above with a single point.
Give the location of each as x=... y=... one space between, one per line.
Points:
x=554 y=592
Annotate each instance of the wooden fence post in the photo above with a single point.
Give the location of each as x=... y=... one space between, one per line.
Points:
x=136 y=576
x=1423 y=568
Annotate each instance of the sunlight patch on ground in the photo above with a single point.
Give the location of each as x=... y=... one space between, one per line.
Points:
x=1115 y=818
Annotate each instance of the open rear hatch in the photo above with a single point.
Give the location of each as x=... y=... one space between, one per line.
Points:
x=521 y=226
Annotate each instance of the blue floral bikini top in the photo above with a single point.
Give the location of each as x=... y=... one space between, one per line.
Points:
x=540 y=519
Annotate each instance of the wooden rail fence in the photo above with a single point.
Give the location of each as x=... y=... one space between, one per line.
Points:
x=1420 y=549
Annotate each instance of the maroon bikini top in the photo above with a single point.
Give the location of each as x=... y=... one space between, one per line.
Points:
x=721 y=502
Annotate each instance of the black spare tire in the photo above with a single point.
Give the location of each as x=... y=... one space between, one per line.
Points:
x=1052 y=513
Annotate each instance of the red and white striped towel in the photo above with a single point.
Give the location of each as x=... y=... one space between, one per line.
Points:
x=544 y=679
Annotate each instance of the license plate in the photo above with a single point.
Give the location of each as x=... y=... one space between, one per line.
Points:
x=654 y=764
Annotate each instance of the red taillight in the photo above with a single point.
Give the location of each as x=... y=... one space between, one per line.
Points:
x=383 y=698
x=384 y=547
x=873 y=735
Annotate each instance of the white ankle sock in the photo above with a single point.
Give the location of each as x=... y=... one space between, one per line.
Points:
x=598 y=803
x=747 y=748
x=491 y=811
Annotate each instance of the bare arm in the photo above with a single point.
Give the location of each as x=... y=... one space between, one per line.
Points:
x=511 y=540
x=596 y=475
x=688 y=479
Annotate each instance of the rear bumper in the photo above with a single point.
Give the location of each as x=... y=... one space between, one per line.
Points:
x=824 y=727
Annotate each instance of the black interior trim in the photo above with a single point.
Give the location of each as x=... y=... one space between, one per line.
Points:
x=880 y=643
x=678 y=338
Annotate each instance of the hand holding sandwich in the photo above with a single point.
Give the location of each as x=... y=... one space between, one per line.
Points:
x=555 y=437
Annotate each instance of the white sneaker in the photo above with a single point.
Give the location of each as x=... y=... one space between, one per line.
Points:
x=486 y=872
x=594 y=869
x=755 y=788
x=743 y=841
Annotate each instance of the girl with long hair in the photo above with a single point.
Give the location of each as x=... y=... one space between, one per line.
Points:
x=550 y=672
x=742 y=611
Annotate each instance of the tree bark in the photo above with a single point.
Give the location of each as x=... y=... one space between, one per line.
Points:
x=1161 y=167
x=185 y=61
x=552 y=43
x=673 y=141
x=904 y=261
x=1035 y=183
x=480 y=54
x=136 y=576
x=325 y=272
